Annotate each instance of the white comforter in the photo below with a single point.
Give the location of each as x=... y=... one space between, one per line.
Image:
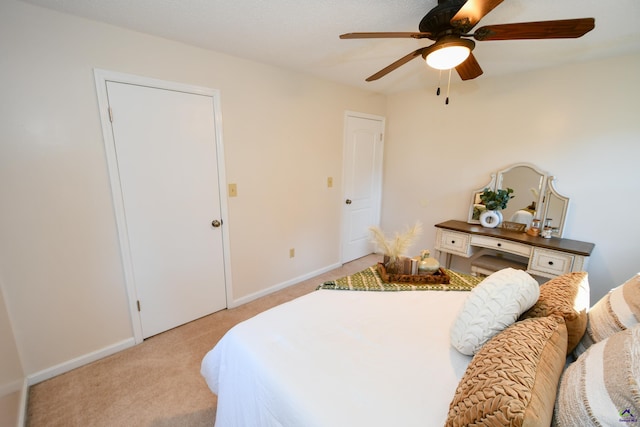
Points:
x=340 y=358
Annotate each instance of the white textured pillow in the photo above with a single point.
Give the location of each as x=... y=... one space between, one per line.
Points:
x=494 y=304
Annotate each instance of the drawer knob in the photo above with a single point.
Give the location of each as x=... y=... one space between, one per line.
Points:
x=453 y=241
x=550 y=262
x=499 y=244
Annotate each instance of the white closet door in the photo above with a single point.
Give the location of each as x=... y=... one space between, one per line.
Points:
x=165 y=144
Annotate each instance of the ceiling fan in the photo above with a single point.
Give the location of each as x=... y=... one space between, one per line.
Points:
x=448 y=25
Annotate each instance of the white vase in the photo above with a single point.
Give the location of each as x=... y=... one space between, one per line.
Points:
x=490 y=219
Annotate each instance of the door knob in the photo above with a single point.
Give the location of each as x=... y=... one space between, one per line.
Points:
x=215 y=223
x=348 y=201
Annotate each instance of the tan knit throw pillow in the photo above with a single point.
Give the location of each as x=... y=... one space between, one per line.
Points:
x=567 y=296
x=512 y=380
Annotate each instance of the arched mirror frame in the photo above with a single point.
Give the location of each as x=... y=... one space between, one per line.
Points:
x=548 y=194
x=555 y=203
x=532 y=189
x=474 y=212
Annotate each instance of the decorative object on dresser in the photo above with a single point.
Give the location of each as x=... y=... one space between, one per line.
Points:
x=513 y=226
x=494 y=202
x=545 y=257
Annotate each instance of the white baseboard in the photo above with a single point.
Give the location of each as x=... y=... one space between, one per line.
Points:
x=67 y=366
x=272 y=289
x=24 y=399
x=13 y=402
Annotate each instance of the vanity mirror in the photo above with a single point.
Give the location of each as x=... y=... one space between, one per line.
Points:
x=527 y=183
x=535 y=197
x=476 y=204
x=555 y=208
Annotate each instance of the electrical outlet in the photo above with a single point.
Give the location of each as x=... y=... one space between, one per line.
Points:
x=292 y=252
x=330 y=182
x=233 y=190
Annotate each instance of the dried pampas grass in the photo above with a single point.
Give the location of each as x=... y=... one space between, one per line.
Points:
x=399 y=244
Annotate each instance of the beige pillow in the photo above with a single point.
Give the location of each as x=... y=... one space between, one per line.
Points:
x=567 y=296
x=601 y=387
x=513 y=379
x=615 y=312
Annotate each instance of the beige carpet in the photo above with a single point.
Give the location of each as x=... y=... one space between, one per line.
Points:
x=158 y=382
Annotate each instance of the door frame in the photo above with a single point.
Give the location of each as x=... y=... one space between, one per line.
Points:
x=101 y=78
x=379 y=161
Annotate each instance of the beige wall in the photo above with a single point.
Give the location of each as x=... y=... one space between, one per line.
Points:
x=579 y=123
x=59 y=253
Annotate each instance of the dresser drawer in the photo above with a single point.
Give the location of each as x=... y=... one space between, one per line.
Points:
x=452 y=242
x=551 y=262
x=501 y=245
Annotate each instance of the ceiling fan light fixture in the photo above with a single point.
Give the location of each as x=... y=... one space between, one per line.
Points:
x=448 y=53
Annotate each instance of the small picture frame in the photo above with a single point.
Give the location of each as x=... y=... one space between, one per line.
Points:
x=513 y=226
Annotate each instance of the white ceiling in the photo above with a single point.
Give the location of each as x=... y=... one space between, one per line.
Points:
x=303 y=34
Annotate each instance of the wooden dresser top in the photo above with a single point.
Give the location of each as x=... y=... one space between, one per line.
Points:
x=554 y=243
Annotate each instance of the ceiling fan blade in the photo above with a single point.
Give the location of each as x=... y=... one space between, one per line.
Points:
x=389 y=68
x=560 y=29
x=399 y=35
x=469 y=69
x=472 y=12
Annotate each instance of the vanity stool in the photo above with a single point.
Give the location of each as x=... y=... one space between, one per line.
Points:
x=487 y=264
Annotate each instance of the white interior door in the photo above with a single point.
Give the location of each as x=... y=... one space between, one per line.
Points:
x=165 y=144
x=363 y=149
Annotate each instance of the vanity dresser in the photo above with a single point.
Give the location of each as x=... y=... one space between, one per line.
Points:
x=544 y=257
x=547 y=257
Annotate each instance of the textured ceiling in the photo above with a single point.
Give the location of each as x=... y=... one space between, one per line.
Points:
x=303 y=34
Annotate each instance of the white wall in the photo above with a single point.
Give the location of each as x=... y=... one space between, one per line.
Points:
x=59 y=255
x=579 y=123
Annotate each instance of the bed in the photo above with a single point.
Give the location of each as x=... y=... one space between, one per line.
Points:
x=353 y=355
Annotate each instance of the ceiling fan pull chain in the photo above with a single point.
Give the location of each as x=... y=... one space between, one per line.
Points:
x=448 y=86
x=439 y=80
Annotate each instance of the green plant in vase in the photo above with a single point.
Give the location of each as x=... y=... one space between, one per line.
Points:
x=496 y=200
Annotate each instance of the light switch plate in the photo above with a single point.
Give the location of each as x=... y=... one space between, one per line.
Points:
x=233 y=190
